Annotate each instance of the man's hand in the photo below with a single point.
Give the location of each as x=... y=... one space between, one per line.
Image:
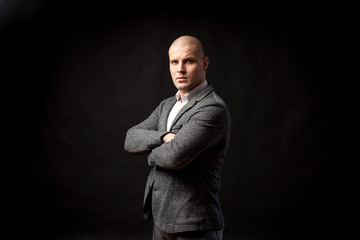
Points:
x=168 y=137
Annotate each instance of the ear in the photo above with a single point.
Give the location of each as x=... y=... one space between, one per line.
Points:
x=205 y=63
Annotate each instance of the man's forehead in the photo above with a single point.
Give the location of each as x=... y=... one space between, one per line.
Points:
x=189 y=50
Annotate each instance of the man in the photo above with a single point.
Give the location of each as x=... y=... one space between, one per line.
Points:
x=185 y=140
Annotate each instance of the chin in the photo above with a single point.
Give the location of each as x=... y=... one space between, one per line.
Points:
x=182 y=87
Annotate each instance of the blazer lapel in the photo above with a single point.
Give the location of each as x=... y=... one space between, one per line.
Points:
x=191 y=103
x=165 y=113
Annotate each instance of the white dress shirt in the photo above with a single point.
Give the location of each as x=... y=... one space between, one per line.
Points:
x=181 y=102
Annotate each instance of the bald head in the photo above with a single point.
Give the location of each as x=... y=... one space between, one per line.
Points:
x=187 y=63
x=189 y=40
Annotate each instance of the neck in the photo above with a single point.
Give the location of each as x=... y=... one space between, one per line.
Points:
x=183 y=92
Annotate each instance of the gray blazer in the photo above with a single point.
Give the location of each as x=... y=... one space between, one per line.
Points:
x=182 y=189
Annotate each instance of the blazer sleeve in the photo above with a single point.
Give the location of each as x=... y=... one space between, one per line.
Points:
x=205 y=128
x=144 y=137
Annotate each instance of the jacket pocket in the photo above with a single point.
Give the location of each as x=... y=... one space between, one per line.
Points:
x=188 y=203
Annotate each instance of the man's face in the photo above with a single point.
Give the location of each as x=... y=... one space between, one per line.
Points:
x=187 y=67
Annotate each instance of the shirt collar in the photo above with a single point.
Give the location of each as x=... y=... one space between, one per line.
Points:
x=188 y=96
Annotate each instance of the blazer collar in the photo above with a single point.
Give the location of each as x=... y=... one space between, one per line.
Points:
x=203 y=93
x=200 y=96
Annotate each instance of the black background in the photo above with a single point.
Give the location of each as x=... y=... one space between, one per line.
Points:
x=78 y=74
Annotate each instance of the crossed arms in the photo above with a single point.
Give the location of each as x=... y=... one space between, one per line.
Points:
x=204 y=128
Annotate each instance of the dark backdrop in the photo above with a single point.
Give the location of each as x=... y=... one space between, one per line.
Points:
x=77 y=75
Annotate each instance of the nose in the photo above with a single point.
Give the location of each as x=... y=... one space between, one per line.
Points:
x=181 y=68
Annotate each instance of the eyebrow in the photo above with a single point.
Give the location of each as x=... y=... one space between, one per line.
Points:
x=189 y=56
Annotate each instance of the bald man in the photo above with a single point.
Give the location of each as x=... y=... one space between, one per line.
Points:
x=185 y=140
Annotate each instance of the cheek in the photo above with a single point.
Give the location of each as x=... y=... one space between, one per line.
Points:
x=193 y=71
x=172 y=72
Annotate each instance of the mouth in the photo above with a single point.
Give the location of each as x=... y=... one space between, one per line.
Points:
x=181 y=79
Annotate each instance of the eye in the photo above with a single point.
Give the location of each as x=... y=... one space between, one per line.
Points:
x=174 y=62
x=189 y=61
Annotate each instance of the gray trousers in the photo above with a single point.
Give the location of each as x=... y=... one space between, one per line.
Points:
x=194 y=235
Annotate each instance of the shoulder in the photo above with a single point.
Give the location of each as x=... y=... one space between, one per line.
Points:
x=214 y=109
x=216 y=98
x=167 y=101
x=213 y=100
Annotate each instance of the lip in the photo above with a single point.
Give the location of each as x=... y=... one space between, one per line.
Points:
x=181 y=78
